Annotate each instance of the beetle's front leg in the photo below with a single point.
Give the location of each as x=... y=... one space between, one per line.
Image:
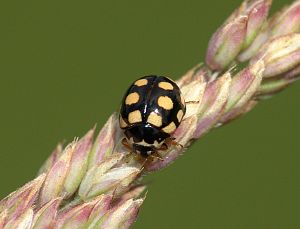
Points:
x=126 y=144
x=171 y=141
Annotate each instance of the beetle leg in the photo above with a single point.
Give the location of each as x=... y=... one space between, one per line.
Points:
x=171 y=141
x=125 y=144
x=144 y=164
x=163 y=147
x=157 y=156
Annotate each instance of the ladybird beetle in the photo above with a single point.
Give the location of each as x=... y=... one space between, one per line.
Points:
x=151 y=111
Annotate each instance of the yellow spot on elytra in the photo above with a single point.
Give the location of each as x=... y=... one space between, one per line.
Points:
x=155 y=119
x=135 y=116
x=170 y=128
x=132 y=98
x=123 y=124
x=166 y=86
x=179 y=115
x=141 y=82
x=165 y=102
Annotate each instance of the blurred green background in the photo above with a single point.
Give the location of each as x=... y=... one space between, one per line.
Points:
x=64 y=66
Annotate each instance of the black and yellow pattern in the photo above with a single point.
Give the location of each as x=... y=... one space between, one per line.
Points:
x=152 y=109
